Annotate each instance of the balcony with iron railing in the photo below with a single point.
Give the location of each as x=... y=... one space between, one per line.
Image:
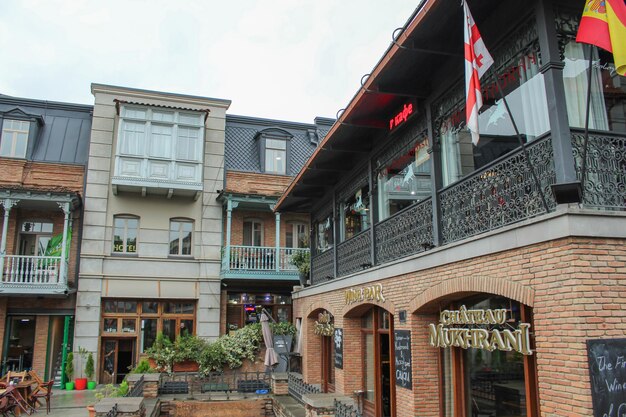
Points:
x=500 y=194
x=262 y=262
x=33 y=275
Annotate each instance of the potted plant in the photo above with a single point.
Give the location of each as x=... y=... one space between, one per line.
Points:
x=69 y=371
x=81 y=383
x=301 y=259
x=89 y=372
x=187 y=350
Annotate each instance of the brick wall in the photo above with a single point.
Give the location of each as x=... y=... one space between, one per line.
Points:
x=41 y=344
x=254 y=183
x=3 y=320
x=41 y=176
x=576 y=287
x=241 y=408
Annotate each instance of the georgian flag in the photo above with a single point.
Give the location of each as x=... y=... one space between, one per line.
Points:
x=477 y=62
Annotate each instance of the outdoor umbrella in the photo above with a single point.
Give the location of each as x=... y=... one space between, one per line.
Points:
x=271 y=358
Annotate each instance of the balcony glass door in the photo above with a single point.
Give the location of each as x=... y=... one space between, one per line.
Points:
x=34 y=238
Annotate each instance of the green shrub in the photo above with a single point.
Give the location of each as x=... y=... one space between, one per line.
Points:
x=143 y=367
x=283 y=328
x=69 y=366
x=188 y=348
x=163 y=353
x=89 y=367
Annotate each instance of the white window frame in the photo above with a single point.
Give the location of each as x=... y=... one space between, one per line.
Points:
x=150 y=163
x=271 y=148
x=292 y=228
x=125 y=218
x=12 y=134
x=181 y=222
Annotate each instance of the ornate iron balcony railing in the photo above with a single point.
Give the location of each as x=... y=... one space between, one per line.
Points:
x=261 y=258
x=32 y=273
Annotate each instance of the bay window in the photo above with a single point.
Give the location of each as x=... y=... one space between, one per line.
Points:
x=162 y=146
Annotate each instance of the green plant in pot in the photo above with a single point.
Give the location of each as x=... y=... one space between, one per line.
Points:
x=301 y=259
x=90 y=371
x=69 y=371
x=81 y=383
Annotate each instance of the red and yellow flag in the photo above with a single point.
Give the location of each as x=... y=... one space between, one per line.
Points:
x=604 y=24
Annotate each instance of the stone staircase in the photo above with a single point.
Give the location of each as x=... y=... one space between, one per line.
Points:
x=287 y=406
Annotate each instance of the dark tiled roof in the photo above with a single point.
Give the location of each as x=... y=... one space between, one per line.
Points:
x=242 y=150
x=62 y=132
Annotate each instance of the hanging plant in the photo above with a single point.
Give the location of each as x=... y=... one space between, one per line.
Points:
x=324 y=326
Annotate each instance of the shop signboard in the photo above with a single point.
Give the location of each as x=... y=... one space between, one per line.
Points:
x=338 y=340
x=402 y=354
x=607 y=371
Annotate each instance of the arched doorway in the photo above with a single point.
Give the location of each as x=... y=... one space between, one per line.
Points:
x=324 y=328
x=378 y=367
x=487 y=366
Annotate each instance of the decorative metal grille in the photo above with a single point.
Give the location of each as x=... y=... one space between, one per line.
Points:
x=322 y=267
x=502 y=193
x=137 y=390
x=298 y=388
x=345 y=410
x=354 y=254
x=349 y=187
x=605 y=181
x=112 y=412
x=407 y=232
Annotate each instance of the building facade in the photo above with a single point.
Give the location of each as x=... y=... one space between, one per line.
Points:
x=470 y=279
x=43 y=154
x=150 y=254
x=262 y=157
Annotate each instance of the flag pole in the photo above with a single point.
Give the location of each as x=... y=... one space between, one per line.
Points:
x=583 y=173
x=523 y=145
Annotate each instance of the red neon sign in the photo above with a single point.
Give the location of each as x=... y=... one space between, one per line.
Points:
x=401 y=117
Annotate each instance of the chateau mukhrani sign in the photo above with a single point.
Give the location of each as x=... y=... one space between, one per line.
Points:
x=359 y=295
x=479 y=329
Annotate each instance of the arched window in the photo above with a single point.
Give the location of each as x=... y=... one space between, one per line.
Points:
x=181 y=231
x=125 y=232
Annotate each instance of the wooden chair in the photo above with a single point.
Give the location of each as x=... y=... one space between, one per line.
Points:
x=43 y=392
x=14 y=402
x=16 y=376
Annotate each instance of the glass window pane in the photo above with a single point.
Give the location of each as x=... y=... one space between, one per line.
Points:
x=169 y=328
x=186 y=327
x=186 y=244
x=130 y=307
x=110 y=325
x=134 y=113
x=109 y=306
x=186 y=308
x=169 y=308
x=162 y=116
x=275 y=144
x=368 y=368
x=189 y=118
x=188 y=142
x=133 y=134
x=149 y=307
x=20 y=145
x=128 y=325
x=161 y=141
x=148 y=333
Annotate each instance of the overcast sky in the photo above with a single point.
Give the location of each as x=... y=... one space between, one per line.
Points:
x=281 y=59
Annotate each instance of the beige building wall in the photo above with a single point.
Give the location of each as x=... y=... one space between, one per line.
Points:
x=152 y=274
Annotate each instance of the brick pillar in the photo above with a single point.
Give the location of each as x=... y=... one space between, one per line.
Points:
x=426 y=377
x=311 y=363
x=350 y=379
x=41 y=345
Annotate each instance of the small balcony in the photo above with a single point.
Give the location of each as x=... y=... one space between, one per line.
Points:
x=260 y=262
x=32 y=275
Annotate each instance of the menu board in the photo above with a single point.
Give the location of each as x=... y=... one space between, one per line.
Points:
x=607 y=371
x=402 y=354
x=338 y=340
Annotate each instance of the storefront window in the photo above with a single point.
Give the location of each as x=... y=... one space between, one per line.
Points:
x=355 y=213
x=493 y=381
x=246 y=308
x=324 y=230
x=368 y=358
x=607 y=110
x=148 y=333
x=405 y=181
x=523 y=86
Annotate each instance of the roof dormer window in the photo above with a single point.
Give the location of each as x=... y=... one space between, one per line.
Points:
x=14 y=139
x=276 y=156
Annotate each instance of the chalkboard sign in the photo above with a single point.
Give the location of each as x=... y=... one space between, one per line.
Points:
x=338 y=339
x=607 y=371
x=402 y=353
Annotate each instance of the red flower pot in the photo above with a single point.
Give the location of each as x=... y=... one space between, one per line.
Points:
x=186 y=366
x=81 y=383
